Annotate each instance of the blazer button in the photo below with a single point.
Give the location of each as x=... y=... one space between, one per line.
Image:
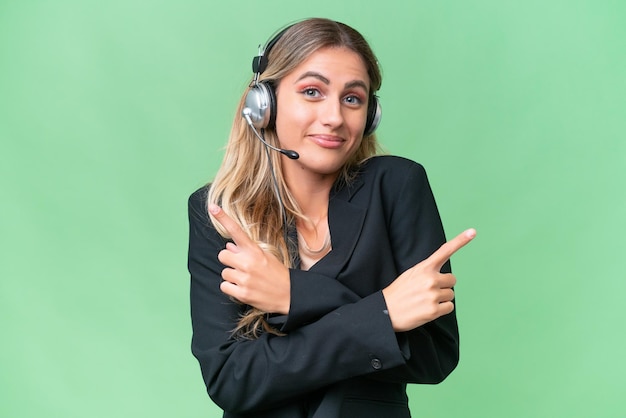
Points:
x=376 y=364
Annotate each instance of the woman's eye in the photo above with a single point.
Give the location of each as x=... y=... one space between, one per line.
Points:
x=353 y=100
x=311 y=92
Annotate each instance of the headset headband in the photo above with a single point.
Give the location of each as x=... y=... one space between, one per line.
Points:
x=259 y=63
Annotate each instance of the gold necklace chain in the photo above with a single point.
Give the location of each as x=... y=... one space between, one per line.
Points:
x=310 y=252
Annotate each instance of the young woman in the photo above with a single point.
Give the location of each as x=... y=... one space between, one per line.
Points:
x=320 y=282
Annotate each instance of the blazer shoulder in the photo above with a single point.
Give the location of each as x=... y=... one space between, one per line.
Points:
x=392 y=163
x=197 y=203
x=392 y=171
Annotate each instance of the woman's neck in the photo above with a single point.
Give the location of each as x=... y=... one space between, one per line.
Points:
x=311 y=193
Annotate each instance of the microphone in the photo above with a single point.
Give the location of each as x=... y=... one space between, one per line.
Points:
x=289 y=153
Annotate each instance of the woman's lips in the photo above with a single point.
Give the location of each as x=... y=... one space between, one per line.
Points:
x=327 y=141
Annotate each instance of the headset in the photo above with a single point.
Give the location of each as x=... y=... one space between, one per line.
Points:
x=260 y=103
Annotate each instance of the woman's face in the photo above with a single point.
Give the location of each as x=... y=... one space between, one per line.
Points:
x=322 y=109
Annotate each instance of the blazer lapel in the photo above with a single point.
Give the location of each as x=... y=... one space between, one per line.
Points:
x=345 y=220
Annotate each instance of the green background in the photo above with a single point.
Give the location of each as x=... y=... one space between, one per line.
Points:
x=112 y=113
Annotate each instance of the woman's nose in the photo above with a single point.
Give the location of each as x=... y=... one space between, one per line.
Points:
x=331 y=113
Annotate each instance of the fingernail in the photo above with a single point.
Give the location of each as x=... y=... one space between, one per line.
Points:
x=214 y=209
x=470 y=233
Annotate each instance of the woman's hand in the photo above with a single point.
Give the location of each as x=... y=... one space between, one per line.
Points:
x=422 y=293
x=253 y=276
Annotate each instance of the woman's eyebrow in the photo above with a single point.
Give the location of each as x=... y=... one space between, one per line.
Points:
x=356 y=83
x=314 y=74
x=348 y=85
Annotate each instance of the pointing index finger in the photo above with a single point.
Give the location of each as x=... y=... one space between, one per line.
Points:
x=443 y=254
x=234 y=230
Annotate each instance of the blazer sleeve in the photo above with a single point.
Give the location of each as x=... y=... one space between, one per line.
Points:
x=312 y=296
x=248 y=375
x=431 y=351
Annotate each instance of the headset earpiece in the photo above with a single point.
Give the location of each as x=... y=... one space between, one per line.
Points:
x=261 y=105
x=374 y=114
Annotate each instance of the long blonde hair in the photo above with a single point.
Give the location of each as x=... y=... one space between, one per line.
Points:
x=243 y=185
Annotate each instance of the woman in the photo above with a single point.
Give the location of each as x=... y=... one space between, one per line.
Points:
x=320 y=284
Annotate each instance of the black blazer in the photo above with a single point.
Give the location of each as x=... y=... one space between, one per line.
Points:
x=340 y=357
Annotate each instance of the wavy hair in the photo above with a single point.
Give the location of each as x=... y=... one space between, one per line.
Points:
x=243 y=185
